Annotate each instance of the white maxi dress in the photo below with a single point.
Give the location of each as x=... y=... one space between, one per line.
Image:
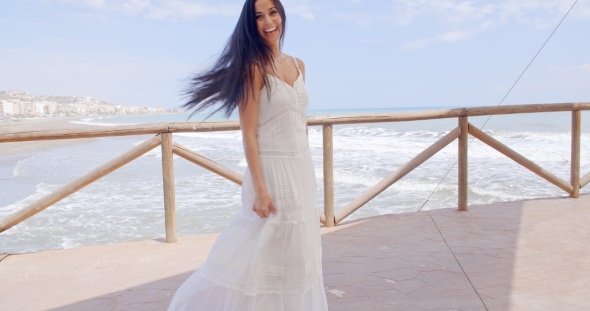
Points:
x=271 y=264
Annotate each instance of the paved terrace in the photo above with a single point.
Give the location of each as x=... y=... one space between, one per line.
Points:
x=527 y=255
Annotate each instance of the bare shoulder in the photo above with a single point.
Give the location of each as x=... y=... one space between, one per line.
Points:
x=257 y=79
x=300 y=63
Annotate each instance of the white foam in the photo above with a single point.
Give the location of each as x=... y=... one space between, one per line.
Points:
x=17 y=169
x=128 y=204
x=89 y=121
x=42 y=190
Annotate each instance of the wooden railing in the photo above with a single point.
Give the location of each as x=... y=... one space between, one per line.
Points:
x=329 y=218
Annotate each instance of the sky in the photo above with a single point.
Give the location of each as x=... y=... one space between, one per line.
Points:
x=358 y=53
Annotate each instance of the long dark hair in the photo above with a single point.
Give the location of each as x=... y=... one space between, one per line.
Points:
x=231 y=78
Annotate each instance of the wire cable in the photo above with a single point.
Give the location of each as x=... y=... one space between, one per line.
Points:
x=502 y=101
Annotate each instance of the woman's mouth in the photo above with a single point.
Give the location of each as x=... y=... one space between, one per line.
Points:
x=270 y=30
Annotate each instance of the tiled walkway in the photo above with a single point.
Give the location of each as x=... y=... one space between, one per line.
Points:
x=528 y=255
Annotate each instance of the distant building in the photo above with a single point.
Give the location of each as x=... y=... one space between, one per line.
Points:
x=51 y=108
x=40 y=109
x=23 y=105
x=27 y=109
x=7 y=107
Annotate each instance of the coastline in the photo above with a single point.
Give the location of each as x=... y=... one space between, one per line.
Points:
x=25 y=125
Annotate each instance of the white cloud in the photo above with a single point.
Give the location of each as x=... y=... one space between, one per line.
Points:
x=448 y=11
x=362 y=19
x=416 y=45
x=307 y=15
x=162 y=9
x=478 y=16
x=453 y=36
x=301 y=8
x=539 y=13
x=9 y=51
x=571 y=70
x=461 y=11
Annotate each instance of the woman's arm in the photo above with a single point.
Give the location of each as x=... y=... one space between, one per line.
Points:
x=248 y=123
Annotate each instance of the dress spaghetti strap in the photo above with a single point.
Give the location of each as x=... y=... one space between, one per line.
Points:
x=296 y=64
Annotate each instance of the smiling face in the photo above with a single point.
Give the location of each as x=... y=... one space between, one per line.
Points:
x=268 y=21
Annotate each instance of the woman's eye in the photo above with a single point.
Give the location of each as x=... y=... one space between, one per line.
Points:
x=258 y=16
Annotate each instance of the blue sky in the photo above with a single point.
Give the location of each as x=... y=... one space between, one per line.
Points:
x=358 y=53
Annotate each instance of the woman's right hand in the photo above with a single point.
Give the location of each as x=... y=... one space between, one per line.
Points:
x=263 y=205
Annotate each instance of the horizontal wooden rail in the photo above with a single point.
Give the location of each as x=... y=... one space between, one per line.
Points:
x=386 y=117
x=180 y=127
x=585 y=180
x=446 y=113
x=169 y=148
x=123 y=130
x=530 y=108
x=183 y=127
x=518 y=158
x=86 y=132
x=397 y=175
x=79 y=183
x=206 y=163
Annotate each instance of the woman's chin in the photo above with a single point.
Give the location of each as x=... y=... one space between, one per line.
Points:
x=272 y=37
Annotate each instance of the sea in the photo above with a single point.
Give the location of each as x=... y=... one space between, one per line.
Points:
x=127 y=205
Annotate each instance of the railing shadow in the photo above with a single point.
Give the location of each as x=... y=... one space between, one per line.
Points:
x=499 y=255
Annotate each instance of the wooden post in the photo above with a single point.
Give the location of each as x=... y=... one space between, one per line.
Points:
x=169 y=198
x=585 y=180
x=575 y=168
x=328 y=175
x=462 y=168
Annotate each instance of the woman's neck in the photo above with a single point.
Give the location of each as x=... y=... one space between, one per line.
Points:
x=276 y=51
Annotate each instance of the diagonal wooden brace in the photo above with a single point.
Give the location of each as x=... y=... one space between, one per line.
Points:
x=206 y=163
x=518 y=158
x=397 y=175
x=79 y=183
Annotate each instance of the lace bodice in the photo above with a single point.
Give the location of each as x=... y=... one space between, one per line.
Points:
x=283 y=114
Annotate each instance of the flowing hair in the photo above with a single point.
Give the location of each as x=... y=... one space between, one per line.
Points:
x=230 y=80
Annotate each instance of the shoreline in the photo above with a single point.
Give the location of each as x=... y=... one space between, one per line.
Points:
x=24 y=125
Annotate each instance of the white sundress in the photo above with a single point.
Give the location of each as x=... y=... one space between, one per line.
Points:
x=271 y=264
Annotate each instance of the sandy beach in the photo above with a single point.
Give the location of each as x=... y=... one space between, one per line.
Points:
x=24 y=125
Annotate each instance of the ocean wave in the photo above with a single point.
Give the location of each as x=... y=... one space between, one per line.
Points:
x=90 y=121
x=128 y=203
x=17 y=171
x=42 y=189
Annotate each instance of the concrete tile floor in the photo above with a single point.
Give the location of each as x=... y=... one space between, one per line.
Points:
x=527 y=255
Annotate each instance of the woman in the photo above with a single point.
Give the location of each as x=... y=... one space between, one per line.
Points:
x=269 y=257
